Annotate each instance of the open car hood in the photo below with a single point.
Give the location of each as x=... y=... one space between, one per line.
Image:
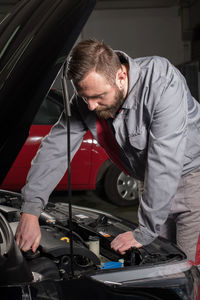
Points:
x=35 y=41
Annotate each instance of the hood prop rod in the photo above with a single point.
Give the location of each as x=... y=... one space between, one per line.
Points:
x=68 y=116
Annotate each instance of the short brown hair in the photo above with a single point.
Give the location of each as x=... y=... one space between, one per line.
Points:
x=92 y=55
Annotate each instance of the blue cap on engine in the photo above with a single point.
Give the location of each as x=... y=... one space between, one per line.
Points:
x=112 y=265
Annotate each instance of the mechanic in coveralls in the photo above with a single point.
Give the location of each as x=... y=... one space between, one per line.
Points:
x=142 y=113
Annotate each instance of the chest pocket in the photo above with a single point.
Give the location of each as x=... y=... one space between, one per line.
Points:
x=139 y=139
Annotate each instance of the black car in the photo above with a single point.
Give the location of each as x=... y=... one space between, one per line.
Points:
x=74 y=259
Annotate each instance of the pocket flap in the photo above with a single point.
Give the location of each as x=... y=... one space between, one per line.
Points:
x=139 y=140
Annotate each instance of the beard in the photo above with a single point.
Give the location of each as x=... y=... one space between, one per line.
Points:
x=107 y=111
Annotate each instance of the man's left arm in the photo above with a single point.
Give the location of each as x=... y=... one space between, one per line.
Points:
x=165 y=157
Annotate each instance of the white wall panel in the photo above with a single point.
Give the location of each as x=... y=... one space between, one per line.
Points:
x=139 y=32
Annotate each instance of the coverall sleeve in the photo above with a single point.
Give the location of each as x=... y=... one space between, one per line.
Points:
x=50 y=163
x=165 y=159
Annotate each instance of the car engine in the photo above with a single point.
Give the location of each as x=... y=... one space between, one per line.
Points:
x=91 y=234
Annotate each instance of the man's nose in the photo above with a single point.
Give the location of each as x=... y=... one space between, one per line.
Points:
x=92 y=104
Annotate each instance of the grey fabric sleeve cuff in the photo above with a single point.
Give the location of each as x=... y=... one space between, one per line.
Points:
x=143 y=237
x=32 y=208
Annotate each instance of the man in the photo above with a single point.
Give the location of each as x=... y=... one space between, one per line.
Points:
x=142 y=113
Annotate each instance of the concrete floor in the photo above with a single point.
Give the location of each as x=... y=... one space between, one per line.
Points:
x=92 y=200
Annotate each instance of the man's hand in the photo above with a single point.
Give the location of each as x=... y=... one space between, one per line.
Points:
x=28 y=233
x=124 y=242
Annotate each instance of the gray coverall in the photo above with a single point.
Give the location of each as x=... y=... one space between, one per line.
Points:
x=158 y=135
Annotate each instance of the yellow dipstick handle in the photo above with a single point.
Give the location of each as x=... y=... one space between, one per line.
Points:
x=65 y=239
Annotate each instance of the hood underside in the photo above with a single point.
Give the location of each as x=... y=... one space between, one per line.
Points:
x=36 y=38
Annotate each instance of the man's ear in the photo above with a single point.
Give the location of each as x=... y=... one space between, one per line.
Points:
x=120 y=78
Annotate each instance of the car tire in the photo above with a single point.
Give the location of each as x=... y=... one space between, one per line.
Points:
x=121 y=189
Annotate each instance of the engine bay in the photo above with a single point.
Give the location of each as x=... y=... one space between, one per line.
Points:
x=92 y=233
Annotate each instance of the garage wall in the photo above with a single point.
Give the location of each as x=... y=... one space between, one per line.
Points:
x=142 y=31
x=139 y=32
x=195 y=14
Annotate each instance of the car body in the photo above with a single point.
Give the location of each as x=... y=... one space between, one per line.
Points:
x=85 y=165
x=74 y=259
x=90 y=168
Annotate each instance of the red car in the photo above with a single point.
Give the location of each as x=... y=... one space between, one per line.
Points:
x=90 y=166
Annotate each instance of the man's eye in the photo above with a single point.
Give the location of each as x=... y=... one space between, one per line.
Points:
x=99 y=97
x=92 y=98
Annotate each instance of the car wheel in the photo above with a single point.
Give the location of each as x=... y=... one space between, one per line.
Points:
x=121 y=189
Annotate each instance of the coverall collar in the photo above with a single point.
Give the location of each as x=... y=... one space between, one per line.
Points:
x=134 y=75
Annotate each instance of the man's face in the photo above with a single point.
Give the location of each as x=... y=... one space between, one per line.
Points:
x=101 y=96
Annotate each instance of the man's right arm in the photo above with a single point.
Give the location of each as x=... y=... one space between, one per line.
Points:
x=47 y=169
